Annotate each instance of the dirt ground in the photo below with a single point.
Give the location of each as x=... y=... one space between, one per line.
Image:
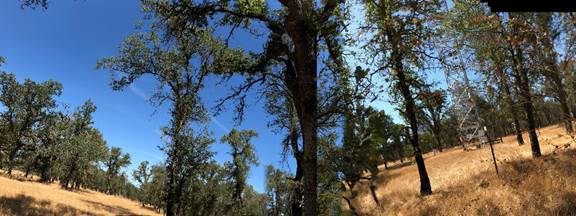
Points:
x=20 y=196
x=465 y=182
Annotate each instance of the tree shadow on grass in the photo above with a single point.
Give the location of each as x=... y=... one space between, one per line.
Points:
x=541 y=186
x=568 y=207
x=400 y=165
x=26 y=205
x=116 y=210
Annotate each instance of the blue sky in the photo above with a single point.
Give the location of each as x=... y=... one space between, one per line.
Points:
x=64 y=42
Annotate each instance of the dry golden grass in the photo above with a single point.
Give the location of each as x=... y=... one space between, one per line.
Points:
x=20 y=196
x=465 y=183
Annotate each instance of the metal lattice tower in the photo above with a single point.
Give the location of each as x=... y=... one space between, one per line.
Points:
x=464 y=106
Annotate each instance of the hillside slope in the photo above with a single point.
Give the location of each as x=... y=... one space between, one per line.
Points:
x=21 y=197
x=465 y=183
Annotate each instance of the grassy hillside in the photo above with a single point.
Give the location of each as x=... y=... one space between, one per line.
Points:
x=465 y=183
x=25 y=197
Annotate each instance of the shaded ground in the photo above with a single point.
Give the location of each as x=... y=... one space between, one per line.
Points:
x=26 y=205
x=465 y=183
x=21 y=196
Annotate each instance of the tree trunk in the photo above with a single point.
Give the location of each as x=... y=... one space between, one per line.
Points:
x=425 y=188
x=300 y=28
x=562 y=98
x=173 y=165
x=504 y=83
x=373 y=191
x=46 y=169
x=438 y=140
x=524 y=86
x=350 y=206
x=310 y=139
x=29 y=167
x=12 y=157
x=552 y=71
x=295 y=202
x=70 y=174
x=523 y=83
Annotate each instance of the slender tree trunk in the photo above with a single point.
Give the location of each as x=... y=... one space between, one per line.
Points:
x=553 y=72
x=350 y=206
x=297 y=193
x=523 y=83
x=373 y=191
x=425 y=188
x=504 y=83
x=562 y=98
x=438 y=139
x=524 y=86
x=70 y=174
x=12 y=157
x=174 y=163
x=29 y=167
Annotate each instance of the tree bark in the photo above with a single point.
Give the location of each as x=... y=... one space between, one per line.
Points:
x=524 y=86
x=173 y=166
x=523 y=83
x=562 y=98
x=300 y=27
x=438 y=140
x=12 y=156
x=373 y=191
x=425 y=188
x=504 y=84
x=295 y=203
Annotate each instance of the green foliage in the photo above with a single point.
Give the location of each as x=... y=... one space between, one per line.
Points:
x=157 y=193
x=179 y=81
x=114 y=162
x=278 y=191
x=242 y=158
x=295 y=27
x=25 y=105
x=433 y=107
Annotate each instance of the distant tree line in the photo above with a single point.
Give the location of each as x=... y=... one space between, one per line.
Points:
x=38 y=137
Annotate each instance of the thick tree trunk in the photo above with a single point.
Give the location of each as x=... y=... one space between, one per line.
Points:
x=303 y=33
x=309 y=134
